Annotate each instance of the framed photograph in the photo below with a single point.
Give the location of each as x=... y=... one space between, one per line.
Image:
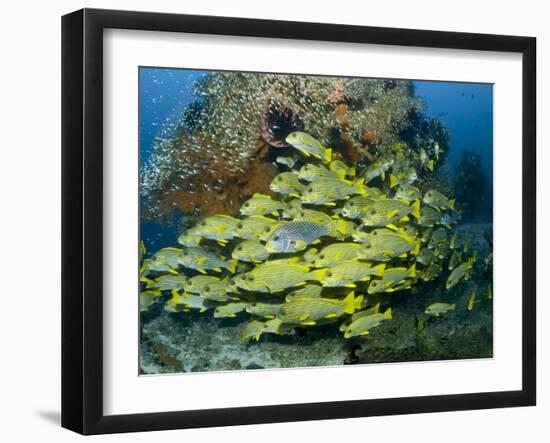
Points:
x=270 y=221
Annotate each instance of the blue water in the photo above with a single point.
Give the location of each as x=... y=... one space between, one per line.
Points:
x=466 y=109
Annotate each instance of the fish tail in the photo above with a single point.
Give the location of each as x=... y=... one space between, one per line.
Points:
x=416 y=209
x=358 y=302
x=387 y=314
x=360 y=186
x=232 y=265
x=393 y=181
x=412 y=271
x=416 y=249
x=328 y=155
x=431 y=165
x=349 y=303
x=379 y=270
x=317 y=274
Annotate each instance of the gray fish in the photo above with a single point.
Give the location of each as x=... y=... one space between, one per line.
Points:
x=295 y=236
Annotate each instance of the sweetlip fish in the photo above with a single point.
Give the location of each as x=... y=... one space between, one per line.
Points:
x=286 y=183
x=309 y=146
x=295 y=236
x=308 y=311
x=325 y=191
x=347 y=273
x=202 y=260
x=262 y=204
x=364 y=321
x=437 y=200
x=439 y=308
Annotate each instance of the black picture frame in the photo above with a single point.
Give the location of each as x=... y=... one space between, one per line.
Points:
x=82 y=218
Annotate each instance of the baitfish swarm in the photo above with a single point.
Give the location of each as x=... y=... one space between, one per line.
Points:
x=330 y=247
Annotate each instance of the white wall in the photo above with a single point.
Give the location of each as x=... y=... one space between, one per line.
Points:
x=30 y=208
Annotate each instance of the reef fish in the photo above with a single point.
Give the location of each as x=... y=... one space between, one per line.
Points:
x=252 y=227
x=274 y=277
x=262 y=204
x=252 y=251
x=202 y=260
x=376 y=169
x=393 y=279
x=311 y=172
x=407 y=192
x=309 y=146
x=428 y=216
x=407 y=177
x=208 y=286
x=295 y=236
x=190 y=238
x=229 y=309
x=347 y=273
x=217 y=227
x=364 y=323
x=308 y=311
x=439 y=308
x=437 y=200
x=335 y=253
x=168 y=282
x=307 y=291
x=384 y=244
x=356 y=206
x=386 y=212
x=325 y=191
x=148 y=299
x=286 y=183
x=266 y=310
x=463 y=270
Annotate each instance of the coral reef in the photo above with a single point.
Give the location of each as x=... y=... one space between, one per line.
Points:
x=226 y=136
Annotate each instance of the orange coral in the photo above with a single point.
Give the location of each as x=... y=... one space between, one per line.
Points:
x=338 y=95
x=370 y=136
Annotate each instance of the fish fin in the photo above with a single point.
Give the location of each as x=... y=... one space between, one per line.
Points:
x=275 y=213
x=405 y=219
x=328 y=155
x=172 y=271
x=360 y=185
x=383 y=176
x=175 y=293
x=364 y=332
x=358 y=302
x=431 y=165
x=222 y=242
x=232 y=266
x=202 y=260
x=350 y=285
x=387 y=314
x=341 y=174
x=412 y=271
x=416 y=249
x=295 y=195
x=202 y=271
x=202 y=309
x=330 y=204
x=352 y=171
x=452 y=203
x=416 y=209
x=392 y=227
x=318 y=274
x=308 y=323
x=331 y=315
x=404 y=255
x=349 y=303
x=393 y=181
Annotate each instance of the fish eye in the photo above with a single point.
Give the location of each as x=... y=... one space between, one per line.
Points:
x=276 y=238
x=246 y=205
x=368 y=246
x=203 y=223
x=329 y=274
x=351 y=204
x=185 y=253
x=373 y=212
x=267 y=229
x=207 y=288
x=279 y=179
x=250 y=278
x=239 y=226
x=322 y=256
x=302 y=214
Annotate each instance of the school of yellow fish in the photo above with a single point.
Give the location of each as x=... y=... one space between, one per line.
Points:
x=330 y=247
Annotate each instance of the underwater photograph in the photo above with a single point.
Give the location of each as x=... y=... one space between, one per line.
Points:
x=293 y=221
